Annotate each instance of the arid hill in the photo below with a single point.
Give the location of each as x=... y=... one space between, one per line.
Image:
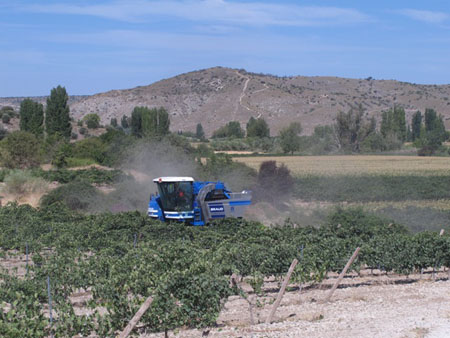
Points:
x=217 y=95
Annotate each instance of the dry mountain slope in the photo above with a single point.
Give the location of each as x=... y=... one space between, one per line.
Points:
x=217 y=95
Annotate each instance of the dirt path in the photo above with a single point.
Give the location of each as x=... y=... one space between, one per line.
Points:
x=262 y=89
x=364 y=307
x=243 y=93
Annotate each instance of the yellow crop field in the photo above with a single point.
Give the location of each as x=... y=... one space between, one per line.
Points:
x=356 y=164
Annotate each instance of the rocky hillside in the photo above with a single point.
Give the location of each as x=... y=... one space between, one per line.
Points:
x=217 y=95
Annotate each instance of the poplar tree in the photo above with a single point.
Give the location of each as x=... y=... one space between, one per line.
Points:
x=57 y=118
x=199 y=132
x=32 y=117
x=416 y=125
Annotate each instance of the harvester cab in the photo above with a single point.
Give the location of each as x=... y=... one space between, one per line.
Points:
x=197 y=203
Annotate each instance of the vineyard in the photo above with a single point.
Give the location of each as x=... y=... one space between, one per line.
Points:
x=121 y=259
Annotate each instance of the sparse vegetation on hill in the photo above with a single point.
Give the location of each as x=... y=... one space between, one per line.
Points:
x=217 y=95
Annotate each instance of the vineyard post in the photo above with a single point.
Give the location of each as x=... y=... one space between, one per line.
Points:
x=441 y=233
x=50 y=304
x=341 y=276
x=144 y=307
x=301 y=259
x=281 y=292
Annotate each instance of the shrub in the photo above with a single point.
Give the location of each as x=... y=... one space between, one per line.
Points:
x=231 y=129
x=82 y=131
x=124 y=122
x=74 y=136
x=92 y=121
x=426 y=151
x=6 y=118
x=64 y=151
x=80 y=123
x=77 y=195
x=19 y=149
x=289 y=137
x=113 y=122
x=92 y=148
x=79 y=162
x=19 y=182
x=3 y=174
x=7 y=109
x=3 y=133
x=203 y=150
x=51 y=145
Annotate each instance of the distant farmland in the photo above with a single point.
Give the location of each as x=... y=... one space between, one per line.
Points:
x=356 y=165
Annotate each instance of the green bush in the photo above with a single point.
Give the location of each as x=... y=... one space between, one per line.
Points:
x=6 y=118
x=19 y=182
x=19 y=149
x=231 y=129
x=426 y=150
x=79 y=162
x=64 y=151
x=76 y=195
x=203 y=150
x=3 y=133
x=92 y=148
x=113 y=122
x=92 y=121
x=3 y=174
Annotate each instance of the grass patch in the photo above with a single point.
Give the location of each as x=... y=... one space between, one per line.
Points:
x=19 y=182
x=79 y=162
x=372 y=188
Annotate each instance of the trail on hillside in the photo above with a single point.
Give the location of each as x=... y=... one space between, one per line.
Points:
x=243 y=93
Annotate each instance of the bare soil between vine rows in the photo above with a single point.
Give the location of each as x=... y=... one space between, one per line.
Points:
x=367 y=306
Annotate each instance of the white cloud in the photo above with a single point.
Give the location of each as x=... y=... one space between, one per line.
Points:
x=425 y=16
x=241 y=44
x=215 y=11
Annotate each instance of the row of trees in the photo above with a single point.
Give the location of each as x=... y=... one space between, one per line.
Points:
x=355 y=132
x=146 y=122
x=255 y=128
x=57 y=118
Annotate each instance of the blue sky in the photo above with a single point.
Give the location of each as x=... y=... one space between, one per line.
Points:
x=94 y=46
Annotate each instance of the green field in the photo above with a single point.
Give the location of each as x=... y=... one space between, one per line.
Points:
x=411 y=190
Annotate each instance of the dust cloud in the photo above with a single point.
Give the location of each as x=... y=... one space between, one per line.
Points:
x=144 y=162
